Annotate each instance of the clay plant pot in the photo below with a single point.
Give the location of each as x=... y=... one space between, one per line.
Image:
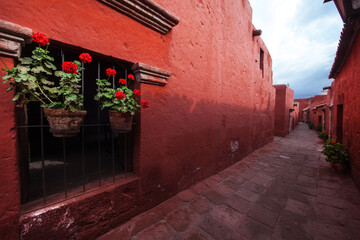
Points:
x=120 y=122
x=339 y=167
x=64 y=123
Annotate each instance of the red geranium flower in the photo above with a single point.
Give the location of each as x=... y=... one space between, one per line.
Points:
x=122 y=81
x=110 y=72
x=145 y=103
x=40 y=39
x=130 y=76
x=69 y=67
x=137 y=92
x=119 y=95
x=333 y=142
x=85 y=57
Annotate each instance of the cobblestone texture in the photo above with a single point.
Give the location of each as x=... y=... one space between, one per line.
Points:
x=284 y=190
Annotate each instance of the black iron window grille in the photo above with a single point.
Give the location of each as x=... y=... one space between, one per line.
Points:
x=53 y=169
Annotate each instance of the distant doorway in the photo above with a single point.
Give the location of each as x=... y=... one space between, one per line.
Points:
x=291 y=120
x=320 y=121
x=339 y=123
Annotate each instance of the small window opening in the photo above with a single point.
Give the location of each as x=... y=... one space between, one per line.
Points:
x=262 y=61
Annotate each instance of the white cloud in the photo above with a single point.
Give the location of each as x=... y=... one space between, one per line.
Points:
x=302 y=37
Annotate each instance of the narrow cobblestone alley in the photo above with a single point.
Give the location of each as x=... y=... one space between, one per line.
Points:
x=284 y=190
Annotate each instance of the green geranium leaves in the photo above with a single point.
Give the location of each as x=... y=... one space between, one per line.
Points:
x=31 y=77
x=106 y=96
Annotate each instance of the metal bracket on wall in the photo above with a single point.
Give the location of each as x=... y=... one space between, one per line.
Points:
x=146 y=12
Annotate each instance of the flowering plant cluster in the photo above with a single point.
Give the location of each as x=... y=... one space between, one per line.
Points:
x=121 y=99
x=335 y=152
x=31 y=79
x=70 y=86
x=40 y=39
x=323 y=135
x=30 y=76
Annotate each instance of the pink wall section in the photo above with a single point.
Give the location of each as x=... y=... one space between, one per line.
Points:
x=284 y=102
x=303 y=103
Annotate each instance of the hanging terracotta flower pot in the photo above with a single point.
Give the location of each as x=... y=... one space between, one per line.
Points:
x=120 y=122
x=122 y=102
x=64 y=123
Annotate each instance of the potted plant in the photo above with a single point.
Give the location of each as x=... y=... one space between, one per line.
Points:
x=122 y=103
x=62 y=104
x=336 y=155
x=65 y=115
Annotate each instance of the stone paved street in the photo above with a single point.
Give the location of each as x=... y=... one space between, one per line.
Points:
x=284 y=190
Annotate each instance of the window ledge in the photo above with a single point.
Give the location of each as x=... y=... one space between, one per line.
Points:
x=151 y=75
x=37 y=207
x=146 y=12
x=12 y=37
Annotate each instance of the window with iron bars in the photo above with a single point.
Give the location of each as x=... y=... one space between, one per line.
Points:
x=53 y=169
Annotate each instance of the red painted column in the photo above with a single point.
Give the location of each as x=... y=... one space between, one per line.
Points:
x=9 y=176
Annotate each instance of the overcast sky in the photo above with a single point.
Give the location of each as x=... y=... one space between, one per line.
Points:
x=302 y=37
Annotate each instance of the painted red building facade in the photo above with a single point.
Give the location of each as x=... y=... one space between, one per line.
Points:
x=343 y=94
x=284 y=110
x=318 y=110
x=207 y=76
x=303 y=103
x=329 y=109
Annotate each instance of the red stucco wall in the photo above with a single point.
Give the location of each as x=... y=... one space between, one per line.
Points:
x=315 y=113
x=306 y=114
x=345 y=90
x=330 y=109
x=325 y=110
x=216 y=98
x=324 y=113
x=9 y=176
x=284 y=101
x=295 y=116
x=303 y=103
